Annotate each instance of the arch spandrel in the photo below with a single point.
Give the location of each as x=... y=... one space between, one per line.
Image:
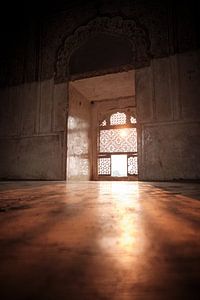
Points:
x=118 y=26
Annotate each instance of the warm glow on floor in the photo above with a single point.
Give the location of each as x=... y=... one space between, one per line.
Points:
x=125 y=200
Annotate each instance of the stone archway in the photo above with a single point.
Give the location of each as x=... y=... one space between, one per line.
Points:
x=131 y=29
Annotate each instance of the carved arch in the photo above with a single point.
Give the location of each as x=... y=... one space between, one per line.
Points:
x=118 y=26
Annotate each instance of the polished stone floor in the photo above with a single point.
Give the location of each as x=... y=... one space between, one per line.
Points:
x=99 y=241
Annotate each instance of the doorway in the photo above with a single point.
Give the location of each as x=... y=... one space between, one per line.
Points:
x=105 y=45
x=103 y=137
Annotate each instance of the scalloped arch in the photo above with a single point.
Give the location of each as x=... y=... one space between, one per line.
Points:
x=118 y=26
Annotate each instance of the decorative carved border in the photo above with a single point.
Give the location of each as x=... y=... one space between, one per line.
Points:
x=118 y=26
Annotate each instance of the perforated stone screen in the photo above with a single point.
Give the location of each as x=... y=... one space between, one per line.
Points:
x=104 y=166
x=118 y=140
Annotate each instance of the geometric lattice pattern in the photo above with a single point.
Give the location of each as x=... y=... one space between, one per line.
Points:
x=118 y=135
x=118 y=119
x=133 y=120
x=84 y=166
x=103 y=123
x=104 y=166
x=132 y=165
x=118 y=140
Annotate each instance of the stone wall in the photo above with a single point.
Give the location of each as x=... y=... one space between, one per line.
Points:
x=167 y=95
x=32 y=131
x=34 y=105
x=79 y=152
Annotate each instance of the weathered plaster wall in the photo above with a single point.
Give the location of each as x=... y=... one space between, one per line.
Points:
x=79 y=137
x=32 y=135
x=168 y=106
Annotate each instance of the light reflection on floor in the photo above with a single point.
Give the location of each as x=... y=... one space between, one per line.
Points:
x=126 y=221
x=99 y=240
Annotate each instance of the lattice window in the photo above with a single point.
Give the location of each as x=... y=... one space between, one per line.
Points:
x=133 y=120
x=118 y=119
x=104 y=166
x=132 y=165
x=84 y=166
x=103 y=123
x=118 y=140
x=118 y=137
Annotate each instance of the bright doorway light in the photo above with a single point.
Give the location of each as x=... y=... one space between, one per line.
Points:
x=119 y=165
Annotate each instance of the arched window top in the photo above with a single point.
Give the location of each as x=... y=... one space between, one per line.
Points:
x=103 y=123
x=118 y=119
x=133 y=120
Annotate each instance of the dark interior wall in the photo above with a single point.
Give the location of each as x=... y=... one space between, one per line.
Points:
x=19 y=52
x=32 y=32
x=34 y=107
x=171 y=28
x=113 y=52
x=167 y=94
